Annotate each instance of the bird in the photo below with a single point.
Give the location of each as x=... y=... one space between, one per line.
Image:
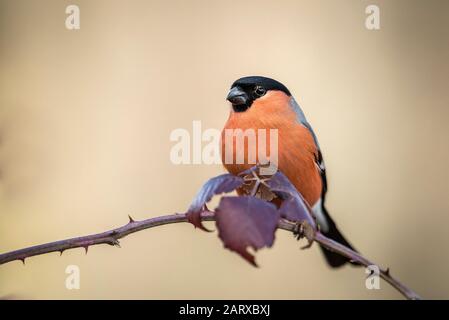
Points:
x=263 y=103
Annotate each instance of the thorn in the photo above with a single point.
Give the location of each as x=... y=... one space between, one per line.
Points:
x=60 y=252
x=86 y=248
x=115 y=242
x=23 y=260
x=131 y=220
x=387 y=272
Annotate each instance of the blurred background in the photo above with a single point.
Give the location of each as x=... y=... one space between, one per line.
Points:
x=85 y=119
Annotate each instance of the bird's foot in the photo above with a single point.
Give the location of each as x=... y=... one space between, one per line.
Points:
x=303 y=229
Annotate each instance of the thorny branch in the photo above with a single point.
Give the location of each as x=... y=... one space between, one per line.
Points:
x=112 y=237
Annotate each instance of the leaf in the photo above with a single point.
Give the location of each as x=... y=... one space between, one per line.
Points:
x=294 y=207
x=244 y=222
x=255 y=184
x=220 y=184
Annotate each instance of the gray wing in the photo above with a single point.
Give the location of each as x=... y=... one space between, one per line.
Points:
x=327 y=225
x=302 y=119
x=318 y=208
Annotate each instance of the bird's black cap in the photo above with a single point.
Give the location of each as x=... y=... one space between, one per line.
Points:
x=267 y=83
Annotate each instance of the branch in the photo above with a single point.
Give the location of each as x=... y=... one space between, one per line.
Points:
x=354 y=256
x=111 y=237
x=108 y=237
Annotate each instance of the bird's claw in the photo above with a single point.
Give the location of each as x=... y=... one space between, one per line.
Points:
x=298 y=230
x=303 y=229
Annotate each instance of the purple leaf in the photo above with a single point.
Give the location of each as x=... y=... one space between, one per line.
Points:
x=220 y=184
x=244 y=222
x=293 y=207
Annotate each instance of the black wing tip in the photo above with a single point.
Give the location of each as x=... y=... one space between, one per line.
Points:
x=334 y=259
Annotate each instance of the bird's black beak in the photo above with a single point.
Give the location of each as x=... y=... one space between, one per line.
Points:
x=238 y=97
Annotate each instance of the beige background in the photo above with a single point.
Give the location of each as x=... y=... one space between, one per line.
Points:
x=85 y=118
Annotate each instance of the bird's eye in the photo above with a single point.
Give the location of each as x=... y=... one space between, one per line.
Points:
x=260 y=91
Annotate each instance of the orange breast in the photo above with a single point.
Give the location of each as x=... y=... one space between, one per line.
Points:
x=296 y=147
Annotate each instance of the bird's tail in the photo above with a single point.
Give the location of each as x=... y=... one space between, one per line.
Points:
x=334 y=259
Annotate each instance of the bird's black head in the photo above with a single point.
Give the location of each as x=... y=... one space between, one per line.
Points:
x=245 y=90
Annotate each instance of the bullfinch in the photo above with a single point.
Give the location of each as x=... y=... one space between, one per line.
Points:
x=264 y=103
